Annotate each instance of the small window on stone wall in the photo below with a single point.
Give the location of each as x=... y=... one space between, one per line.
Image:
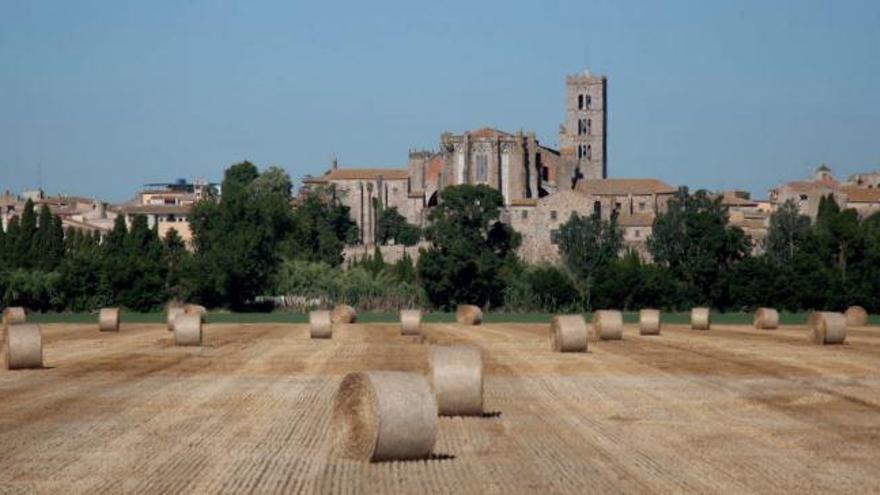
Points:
x=553 y=215
x=482 y=168
x=641 y=206
x=637 y=233
x=554 y=237
x=525 y=214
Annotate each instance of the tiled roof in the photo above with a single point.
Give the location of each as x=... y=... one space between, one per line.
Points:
x=624 y=186
x=861 y=194
x=363 y=174
x=729 y=198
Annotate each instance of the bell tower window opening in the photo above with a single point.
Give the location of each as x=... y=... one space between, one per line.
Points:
x=580 y=102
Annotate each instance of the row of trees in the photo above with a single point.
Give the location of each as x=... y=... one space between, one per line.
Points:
x=254 y=243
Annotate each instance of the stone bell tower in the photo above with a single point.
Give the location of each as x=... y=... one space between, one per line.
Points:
x=583 y=136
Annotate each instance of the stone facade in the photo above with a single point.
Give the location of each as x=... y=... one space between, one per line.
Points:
x=636 y=203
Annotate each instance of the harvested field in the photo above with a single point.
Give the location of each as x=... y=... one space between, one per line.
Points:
x=734 y=409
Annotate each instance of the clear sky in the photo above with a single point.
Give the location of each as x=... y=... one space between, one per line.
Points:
x=99 y=97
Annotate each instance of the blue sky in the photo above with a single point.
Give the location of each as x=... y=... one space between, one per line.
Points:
x=98 y=97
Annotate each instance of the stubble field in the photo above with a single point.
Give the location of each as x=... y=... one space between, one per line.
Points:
x=729 y=410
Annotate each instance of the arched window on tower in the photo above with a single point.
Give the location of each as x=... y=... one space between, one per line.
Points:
x=589 y=126
x=588 y=154
x=580 y=102
x=587 y=101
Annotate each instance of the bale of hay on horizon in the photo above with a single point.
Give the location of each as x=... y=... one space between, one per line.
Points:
x=320 y=324
x=568 y=333
x=343 y=313
x=649 y=322
x=766 y=319
x=188 y=330
x=701 y=318
x=14 y=315
x=108 y=320
x=828 y=328
x=856 y=316
x=608 y=324
x=468 y=314
x=410 y=321
x=24 y=347
x=384 y=416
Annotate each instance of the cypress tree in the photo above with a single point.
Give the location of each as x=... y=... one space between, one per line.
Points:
x=26 y=235
x=13 y=231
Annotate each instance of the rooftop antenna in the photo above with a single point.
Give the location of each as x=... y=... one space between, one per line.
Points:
x=39 y=176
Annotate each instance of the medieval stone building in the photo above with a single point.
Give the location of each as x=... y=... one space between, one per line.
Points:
x=537 y=182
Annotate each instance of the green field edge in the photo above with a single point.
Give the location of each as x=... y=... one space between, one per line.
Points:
x=737 y=318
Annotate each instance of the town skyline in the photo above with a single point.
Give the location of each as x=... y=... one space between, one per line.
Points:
x=724 y=96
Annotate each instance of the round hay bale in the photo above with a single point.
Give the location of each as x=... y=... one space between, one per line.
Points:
x=188 y=330
x=195 y=309
x=343 y=313
x=649 y=322
x=14 y=316
x=410 y=321
x=701 y=318
x=766 y=319
x=457 y=378
x=856 y=316
x=384 y=416
x=24 y=347
x=172 y=311
x=468 y=314
x=568 y=333
x=320 y=325
x=828 y=328
x=608 y=324
x=108 y=320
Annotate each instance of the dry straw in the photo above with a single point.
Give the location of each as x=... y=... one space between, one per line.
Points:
x=343 y=313
x=195 y=309
x=108 y=320
x=766 y=319
x=608 y=324
x=188 y=330
x=14 y=316
x=24 y=347
x=568 y=333
x=457 y=378
x=649 y=322
x=410 y=321
x=320 y=324
x=172 y=311
x=828 y=328
x=701 y=318
x=468 y=314
x=384 y=416
x=856 y=316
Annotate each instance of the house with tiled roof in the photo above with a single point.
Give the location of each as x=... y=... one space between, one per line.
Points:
x=859 y=192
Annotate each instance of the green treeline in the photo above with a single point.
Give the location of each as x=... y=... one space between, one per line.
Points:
x=255 y=247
